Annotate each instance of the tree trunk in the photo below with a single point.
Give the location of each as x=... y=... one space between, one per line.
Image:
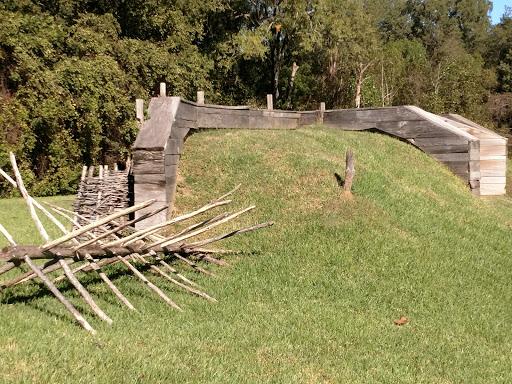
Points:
x=275 y=56
x=295 y=68
x=360 y=72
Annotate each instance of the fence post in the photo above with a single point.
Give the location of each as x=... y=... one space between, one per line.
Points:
x=320 y=117
x=200 y=97
x=270 y=102
x=163 y=90
x=139 y=108
x=349 y=172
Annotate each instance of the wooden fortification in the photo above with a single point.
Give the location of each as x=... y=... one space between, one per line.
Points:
x=470 y=151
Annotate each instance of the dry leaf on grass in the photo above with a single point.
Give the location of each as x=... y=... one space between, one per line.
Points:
x=401 y=321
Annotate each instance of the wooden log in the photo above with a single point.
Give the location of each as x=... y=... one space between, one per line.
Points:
x=349 y=171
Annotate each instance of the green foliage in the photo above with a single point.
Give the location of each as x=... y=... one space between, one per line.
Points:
x=71 y=69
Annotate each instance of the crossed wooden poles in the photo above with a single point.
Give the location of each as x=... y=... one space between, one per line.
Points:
x=107 y=241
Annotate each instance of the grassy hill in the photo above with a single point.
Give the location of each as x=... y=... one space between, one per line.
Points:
x=311 y=299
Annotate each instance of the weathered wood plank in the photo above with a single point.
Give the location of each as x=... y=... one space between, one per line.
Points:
x=450 y=157
x=182 y=123
x=492 y=189
x=179 y=133
x=307 y=118
x=493 y=180
x=145 y=192
x=493 y=164
x=438 y=149
x=172 y=159
x=351 y=126
x=492 y=157
x=186 y=111
x=415 y=129
x=156 y=130
x=474 y=175
x=463 y=175
x=224 y=119
x=500 y=172
x=171 y=170
x=280 y=114
x=153 y=220
x=493 y=150
x=146 y=178
x=445 y=140
x=143 y=166
x=369 y=115
x=457 y=166
x=174 y=147
x=148 y=155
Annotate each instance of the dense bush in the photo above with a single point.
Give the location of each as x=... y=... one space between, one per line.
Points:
x=70 y=71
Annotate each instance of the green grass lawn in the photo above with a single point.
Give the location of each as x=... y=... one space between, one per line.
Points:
x=311 y=299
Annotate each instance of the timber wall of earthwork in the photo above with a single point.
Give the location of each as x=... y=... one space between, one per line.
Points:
x=475 y=154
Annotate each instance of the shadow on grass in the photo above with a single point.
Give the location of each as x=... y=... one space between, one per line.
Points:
x=339 y=180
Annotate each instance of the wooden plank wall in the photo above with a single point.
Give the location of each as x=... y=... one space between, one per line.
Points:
x=447 y=144
x=214 y=116
x=151 y=159
x=468 y=150
x=493 y=155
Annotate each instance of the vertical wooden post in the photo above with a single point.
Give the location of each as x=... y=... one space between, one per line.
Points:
x=200 y=97
x=320 y=117
x=139 y=108
x=270 y=103
x=349 y=171
x=162 y=90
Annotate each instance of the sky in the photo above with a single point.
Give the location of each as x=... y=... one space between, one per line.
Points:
x=498 y=9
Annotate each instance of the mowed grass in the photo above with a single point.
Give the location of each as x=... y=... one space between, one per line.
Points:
x=311 y=299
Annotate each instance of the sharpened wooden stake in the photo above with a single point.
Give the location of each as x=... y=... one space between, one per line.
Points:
x=80 y=288
x=149 y=283
x=89 y=227
x=169 y=278
x=194 y=265
x=25 y=195
x=60 y=296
